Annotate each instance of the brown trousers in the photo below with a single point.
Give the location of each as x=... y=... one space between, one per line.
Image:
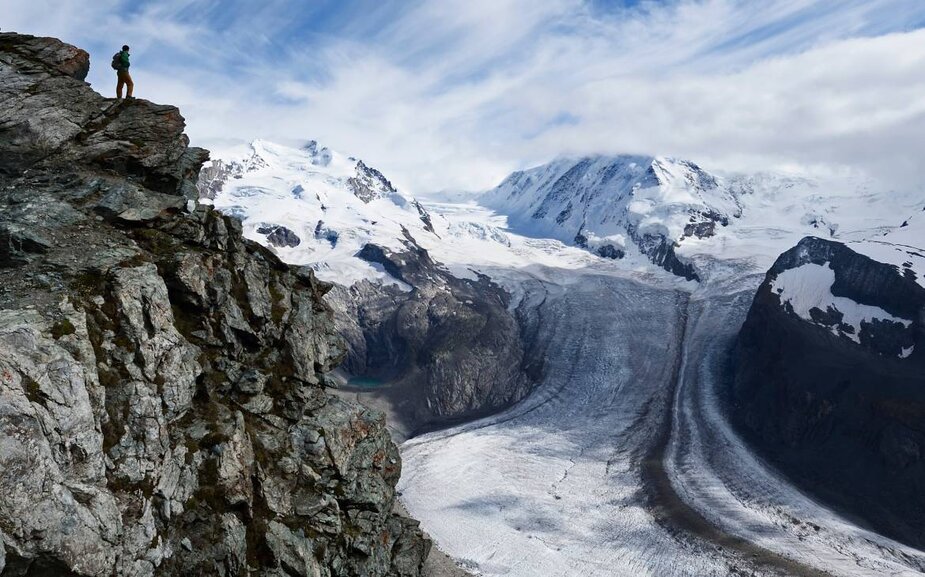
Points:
x=125 y=79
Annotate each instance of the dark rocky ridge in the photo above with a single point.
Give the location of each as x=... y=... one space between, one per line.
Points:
x=845 y=419
x=280 y=236
x=449 y=348
x=369 y=184
x=661 y=251
x=162 y=401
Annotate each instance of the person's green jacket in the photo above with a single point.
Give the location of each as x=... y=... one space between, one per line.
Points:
x=123 y=59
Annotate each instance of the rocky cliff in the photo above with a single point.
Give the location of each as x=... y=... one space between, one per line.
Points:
x=449 y=348
x=162 y=401
x=830 y=381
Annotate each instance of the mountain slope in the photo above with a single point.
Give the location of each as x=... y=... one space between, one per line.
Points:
x=830 y=375
x=673 y=212
x=315 y=206
x=163 y=408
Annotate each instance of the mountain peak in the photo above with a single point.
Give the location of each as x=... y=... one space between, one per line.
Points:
x=321 y=155
x=668 y=170
x=607 y=203
x=321 y=205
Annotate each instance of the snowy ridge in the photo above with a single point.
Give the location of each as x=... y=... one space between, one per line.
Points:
x=663 y=208
x=807 y=290
x=317 y=207
x=333 y=204
x=903 y=247
x=633 y=210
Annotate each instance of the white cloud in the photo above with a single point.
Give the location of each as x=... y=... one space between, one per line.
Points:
x=455 y=94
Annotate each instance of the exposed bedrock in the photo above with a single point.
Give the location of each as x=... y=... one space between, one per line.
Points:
x=837 y=404
x=162 y=400
x=280 y=236
x=448 y=347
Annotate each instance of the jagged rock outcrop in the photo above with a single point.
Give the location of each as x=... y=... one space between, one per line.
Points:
x=830 y=382
x=213 y=176
x=449 y=347
x=369 y=184
x=162 y=401
x=280 y=236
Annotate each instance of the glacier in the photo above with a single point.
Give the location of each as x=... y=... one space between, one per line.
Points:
x=564 y=483
x=621 y=460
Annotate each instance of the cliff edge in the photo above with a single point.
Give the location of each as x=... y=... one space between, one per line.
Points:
x=162 y=401
x=830 y=381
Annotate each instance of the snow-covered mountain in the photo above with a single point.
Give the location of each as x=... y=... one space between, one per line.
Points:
x=318 y=207
x=420 y=302
x=673 y=211
x=815 y=282
x=315 y=206
x=606 y=203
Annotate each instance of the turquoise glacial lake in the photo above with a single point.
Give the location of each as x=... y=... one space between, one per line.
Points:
x=365 y=383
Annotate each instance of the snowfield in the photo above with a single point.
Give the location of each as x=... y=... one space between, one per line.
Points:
x=809 y=287
x=333 y=203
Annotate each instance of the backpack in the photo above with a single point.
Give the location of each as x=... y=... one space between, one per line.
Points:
x=117 y=61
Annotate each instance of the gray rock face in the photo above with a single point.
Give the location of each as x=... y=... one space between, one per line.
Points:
x=369 y=184
x=450 y=347
x=161 y=402
x=845 y=417
x=662 y=252
x=425 y=217
x=213 y=177
x=280 y=236
x=17 y=242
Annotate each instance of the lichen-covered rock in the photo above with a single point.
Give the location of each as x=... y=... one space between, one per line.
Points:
x=161 y=402
x=52 y=472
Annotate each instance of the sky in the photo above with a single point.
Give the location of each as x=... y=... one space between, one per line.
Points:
x=456 y=94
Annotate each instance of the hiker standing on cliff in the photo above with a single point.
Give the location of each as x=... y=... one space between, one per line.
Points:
x=121 y=64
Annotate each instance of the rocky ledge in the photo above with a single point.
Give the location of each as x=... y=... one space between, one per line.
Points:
x=830 y=382
x=162 y=400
